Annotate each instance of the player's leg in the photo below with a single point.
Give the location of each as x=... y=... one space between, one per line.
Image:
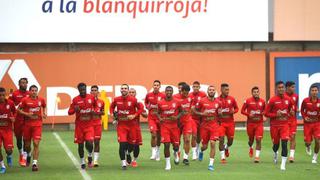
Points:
x=293 y=127
x=2 y=166
x=307 y=137
x=230 y=129
x=36 y=147
x=136 y=148
x=7 y=139
x=212 y=154
x=284 y=135
x=258 y=136
x=222 y=133
x=167 y=155
x=89 y=138
x=250 y=133
x=79 y=139
x=97 y=138
x=81 y=154
x=316 y=150
x=194 y=140
x=175 y=140
x=18 y=131
x=158 y=140
x=27 y=136
x=276 y=142
x=204 y=133
x=154 y=138
x=187 y=131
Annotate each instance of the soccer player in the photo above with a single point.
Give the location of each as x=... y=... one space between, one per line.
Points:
x=253 y=108
x=310 y=110
x=290 y=92
x=33 y=109
x=83 y=106
x=185 y=120
x=16 y=97
x=151 y=103
x=196 y=96
x=97 y=124
x=178 y=95
x=169 y=113
x=128 y=110
x=207 y=108
x=7 y=111
x=278 y=110
x=228 y=108
x=136 y=147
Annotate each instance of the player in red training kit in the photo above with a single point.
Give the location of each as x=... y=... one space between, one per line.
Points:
x=7 y=111
x=253 y=108
x=128 y=110
x=16 y=97
x=208 y=108
x=290 y=88
x=169 y=111
x=34 y=110
x=136 y=147
x=279 y=109
x=151 y=103
x=227 y=125
x=196 y=96
x=310 y=110
x=185 y=120
x=97 y=124
x=83 y=106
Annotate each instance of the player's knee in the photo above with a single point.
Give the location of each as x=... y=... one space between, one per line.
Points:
x=212 y=144
x=175 y=148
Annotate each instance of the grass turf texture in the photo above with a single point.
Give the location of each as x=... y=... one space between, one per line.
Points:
x=55 y=164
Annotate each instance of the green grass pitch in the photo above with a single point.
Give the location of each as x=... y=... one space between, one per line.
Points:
x=54 y=163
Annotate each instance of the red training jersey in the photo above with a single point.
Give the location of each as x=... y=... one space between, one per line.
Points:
x=196 y=97
x=310 y=109
x=228 y=104
x=34 y=106
x=210 y=107
x=169 y=108
x=282 y=104
x=127 y=105
x=17 y=97
x=99 y=107
x=7 y=110
x=151 y=103
x=294 y=99
x=255 y=107
x=86 y=107
x=186 y=104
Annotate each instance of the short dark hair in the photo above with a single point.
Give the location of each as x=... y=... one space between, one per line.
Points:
x=23 y=79
x=33 y=86
x=169 y=87
x=196 y=82
x=224 y=85
x=314 y=86
x=254 y=88
x=185 y=87
x=125 y=85
x=95 y=86
x=2 y=89
x=181 y=83
x=81 y=85
x=156 y=81
x=279 y=82
x=290 y=83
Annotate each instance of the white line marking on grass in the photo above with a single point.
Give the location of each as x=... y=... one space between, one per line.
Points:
x=84 y=174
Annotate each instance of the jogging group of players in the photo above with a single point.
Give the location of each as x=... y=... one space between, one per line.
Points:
x=195 y=119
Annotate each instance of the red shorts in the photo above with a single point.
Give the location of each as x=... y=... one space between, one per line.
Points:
x=139 y=135
x=170 y=133
x=154 y=125
x=255 y=130
x=32 y=132
x=292 y=127
x=83 y=133
x=227 y=129
x=311 y=130
x=97 y=131
x=186 y=127
x=18 y=127
x=279 y=132
x=195 y=126
x=127 y=132
x=209 y=132
x=6 y=137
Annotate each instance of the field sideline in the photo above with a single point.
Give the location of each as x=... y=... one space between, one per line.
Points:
x=54 y=163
